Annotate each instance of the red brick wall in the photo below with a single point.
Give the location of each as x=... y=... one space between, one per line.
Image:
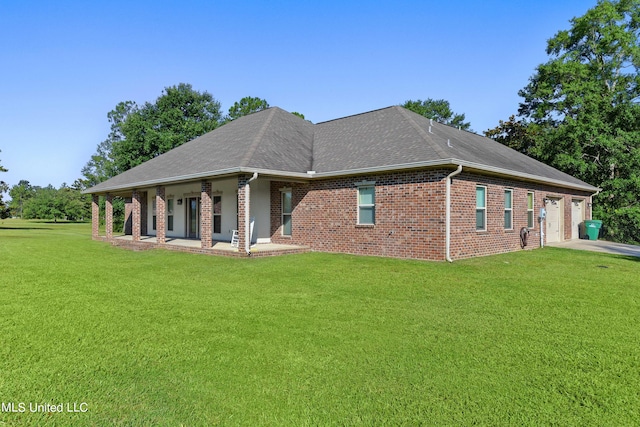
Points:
x=466 y=242
x=410 y=215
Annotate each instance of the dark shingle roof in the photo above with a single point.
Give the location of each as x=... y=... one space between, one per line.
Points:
x=278 y=142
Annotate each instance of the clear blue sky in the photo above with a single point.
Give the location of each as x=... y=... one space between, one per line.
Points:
x=65 y=64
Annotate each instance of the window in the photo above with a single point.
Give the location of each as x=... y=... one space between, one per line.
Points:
x=366 y=205
x=508 y=209
x=153 y=221
x=530 y=205
x=286 y=212
x=170 y=214
x=481 y=208
x=217 y=214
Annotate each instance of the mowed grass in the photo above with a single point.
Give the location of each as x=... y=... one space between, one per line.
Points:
x=547 y=337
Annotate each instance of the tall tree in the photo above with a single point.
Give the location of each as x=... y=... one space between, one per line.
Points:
x=245 y=106
x=179 y=115
x=48 y=202
x=439 y=110
x=581 y=114
x=20 y=194
x=102 y=165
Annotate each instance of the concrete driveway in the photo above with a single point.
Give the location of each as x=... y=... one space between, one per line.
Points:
x=599 y=246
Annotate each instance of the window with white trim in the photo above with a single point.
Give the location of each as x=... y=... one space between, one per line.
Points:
x=286 y=211
x=170 y=214
x=481 y=208
x=508 y=209
x=153 y=219
x=366 y=204
x=217 y=214
x=530 y=209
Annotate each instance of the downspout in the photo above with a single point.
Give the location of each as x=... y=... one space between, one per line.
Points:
x=447 y=233
x=247 y=225
x=541 y=220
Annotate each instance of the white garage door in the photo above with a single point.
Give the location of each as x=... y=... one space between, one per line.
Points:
x=577 y=216
x=554 y=220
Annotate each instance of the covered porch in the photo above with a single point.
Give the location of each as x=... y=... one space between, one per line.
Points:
x=195 y=216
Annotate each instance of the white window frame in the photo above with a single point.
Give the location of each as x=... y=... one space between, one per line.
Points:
x=531 y=210
x=154 y=220
x=508 y=209
x=484 y=209
x=361 y=186
x=170 y=209
x=214 y=214
x=283 y=192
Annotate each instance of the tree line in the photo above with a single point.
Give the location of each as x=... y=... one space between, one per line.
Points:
x=34 y=202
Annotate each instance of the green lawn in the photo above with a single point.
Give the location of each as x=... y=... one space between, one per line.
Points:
x=547 y=337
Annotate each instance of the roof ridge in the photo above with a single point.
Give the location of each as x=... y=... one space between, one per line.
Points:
x=254 y=145
x=312 y=158
x=442 y=153
x=354 y=115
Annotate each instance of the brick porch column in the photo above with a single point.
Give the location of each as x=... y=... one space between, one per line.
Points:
x=108 y=209
x=242 y=232
x=161 y=214
x=95 y=216
x=135 y=215
x=206 y=216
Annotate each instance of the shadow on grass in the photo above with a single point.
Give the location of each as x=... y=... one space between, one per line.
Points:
x=59 y=222
x=25 y=228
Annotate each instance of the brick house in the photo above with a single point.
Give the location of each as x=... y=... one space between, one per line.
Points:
x=386 y=183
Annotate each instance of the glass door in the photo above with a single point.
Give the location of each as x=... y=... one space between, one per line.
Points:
x=193 y=217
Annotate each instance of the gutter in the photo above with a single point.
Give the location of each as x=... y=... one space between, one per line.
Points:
x=447 y=233
x=470 y=166
x=247 y=222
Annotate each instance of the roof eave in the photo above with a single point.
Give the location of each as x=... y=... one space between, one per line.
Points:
x=456 y=162
x=196 y=176
x=308 y=176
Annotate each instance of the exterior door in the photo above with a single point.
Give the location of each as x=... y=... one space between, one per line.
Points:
x=193 y=217
x=577 y=216
x=554 y=220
